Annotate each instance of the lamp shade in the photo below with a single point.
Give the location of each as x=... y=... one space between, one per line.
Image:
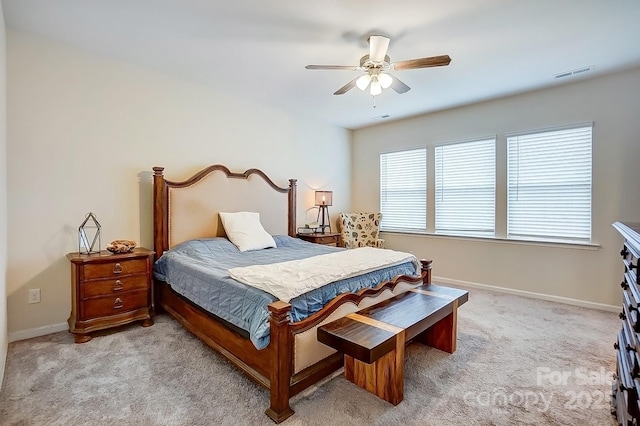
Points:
x=324 y=198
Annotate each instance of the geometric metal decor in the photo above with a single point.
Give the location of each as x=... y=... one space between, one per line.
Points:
x=89 y=235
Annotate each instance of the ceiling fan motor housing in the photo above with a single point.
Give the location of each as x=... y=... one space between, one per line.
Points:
x=366 y=64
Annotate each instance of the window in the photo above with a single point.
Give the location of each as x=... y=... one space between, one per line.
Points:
x=465 y=188
x=403 y=190
x=549 y=185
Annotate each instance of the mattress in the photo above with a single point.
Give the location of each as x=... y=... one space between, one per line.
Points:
x=198 y=270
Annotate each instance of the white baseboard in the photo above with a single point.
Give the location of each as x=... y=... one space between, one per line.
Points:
x=54 y=328
x=551 y=298
x=36 y=332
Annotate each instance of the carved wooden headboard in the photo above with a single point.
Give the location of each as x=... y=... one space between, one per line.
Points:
x=189 y=209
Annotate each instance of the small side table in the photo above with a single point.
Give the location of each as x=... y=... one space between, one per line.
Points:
x=328 y=238
x=109 y=290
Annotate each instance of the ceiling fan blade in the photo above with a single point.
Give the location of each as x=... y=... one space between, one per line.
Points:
x=433 y=61
x=344 y=89
x=333 y=67
x=399 y=86
x=378 y=46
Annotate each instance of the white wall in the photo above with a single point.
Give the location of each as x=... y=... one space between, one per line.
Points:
x=4 y=339
x=611 y=102
x=84 y=133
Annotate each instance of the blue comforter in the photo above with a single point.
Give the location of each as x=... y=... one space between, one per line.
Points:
x=198 y=270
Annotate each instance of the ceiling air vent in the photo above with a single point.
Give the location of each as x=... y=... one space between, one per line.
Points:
x=574 y=72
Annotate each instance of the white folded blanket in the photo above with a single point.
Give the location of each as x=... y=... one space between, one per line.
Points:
x=286 y=280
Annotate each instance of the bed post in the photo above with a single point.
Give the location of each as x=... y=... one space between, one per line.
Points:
x=160 y=235
x=281 y=353
x=160 y=225
x=292 y=207
x=426 y=269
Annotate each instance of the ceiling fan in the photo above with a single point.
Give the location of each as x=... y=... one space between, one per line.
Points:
x=377 y=66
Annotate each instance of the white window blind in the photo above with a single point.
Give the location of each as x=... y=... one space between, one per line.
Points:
x=403 y=190
x=466 y=188
x=549 y=185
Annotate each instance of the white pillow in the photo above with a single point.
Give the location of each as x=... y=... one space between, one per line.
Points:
x=245 y=231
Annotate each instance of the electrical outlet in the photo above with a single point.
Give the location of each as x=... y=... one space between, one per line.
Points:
x=34 y=295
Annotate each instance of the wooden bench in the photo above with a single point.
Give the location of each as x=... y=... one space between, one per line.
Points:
x=373 y=339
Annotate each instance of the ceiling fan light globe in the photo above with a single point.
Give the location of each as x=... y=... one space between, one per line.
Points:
x=363 y=81
x=375 y=89
x=385 y=80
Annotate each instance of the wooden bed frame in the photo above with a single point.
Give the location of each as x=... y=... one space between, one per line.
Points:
x=273 y=366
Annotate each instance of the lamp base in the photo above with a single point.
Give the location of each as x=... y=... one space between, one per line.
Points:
x=322 y=212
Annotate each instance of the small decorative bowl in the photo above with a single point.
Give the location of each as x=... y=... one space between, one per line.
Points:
x=121 y=246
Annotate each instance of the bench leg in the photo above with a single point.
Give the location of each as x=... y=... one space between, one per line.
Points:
x=384 y=377
x=443 y=334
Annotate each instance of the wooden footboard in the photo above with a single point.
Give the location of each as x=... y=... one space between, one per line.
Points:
x=284 y=384
x=273 y=366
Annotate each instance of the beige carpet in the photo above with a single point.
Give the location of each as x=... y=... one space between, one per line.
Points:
x=519 y=361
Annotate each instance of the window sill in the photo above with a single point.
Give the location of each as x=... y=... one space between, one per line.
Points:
x=540 y=243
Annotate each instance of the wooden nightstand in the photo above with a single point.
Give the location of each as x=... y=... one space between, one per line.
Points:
x=108 y=290
x=328 y=238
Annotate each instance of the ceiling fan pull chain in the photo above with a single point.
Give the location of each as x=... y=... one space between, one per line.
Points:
x=374 y=101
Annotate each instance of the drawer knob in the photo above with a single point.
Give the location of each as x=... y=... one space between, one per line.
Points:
x=622 y=315
x=632 y=266
x=624 y=285
x=117 y=268
x=629 y=348
x=117 y=286
x=624 y=252
x=117 y=304
x=616 y=346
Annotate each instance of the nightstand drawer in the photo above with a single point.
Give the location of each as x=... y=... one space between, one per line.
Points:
x=113 y=286
x=326 y=240
x=330 y=239
x=114 y=269
x=113 y=305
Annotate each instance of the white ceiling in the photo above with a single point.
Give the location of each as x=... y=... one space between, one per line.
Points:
x=258 y=48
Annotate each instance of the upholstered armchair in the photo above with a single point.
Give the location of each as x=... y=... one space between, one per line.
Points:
x=360 y=230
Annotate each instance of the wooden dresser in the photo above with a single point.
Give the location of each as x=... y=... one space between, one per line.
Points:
x=108 y=290
x=626 y=383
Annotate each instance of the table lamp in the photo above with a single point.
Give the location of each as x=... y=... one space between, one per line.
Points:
x=324 y=199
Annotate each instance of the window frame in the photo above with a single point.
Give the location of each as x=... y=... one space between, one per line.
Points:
x=474 y=230
x=420 y=208
x=501 y=194
x=518 y=234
